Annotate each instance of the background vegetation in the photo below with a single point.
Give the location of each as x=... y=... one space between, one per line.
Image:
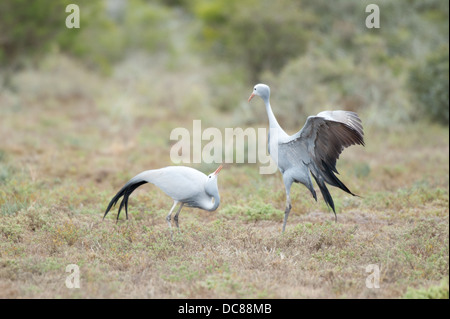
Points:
x=83 y=110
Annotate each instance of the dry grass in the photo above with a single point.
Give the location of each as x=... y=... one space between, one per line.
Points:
x=63 y=156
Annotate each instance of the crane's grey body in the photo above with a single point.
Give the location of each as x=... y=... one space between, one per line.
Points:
x=311 y=151
x=184 y=185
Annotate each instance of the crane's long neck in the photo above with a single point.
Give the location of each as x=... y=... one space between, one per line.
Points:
x=216 y=203
x=273 y=123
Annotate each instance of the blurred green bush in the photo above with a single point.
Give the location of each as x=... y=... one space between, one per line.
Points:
x=315 y=54
x=316 y=82
x=255 y=35
x=29 y=29
x=430 y=85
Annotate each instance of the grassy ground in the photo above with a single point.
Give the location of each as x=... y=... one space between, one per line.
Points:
x=63 y=156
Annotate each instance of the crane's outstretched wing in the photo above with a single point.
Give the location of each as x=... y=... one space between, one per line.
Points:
x=324 y=137
x=327 y=134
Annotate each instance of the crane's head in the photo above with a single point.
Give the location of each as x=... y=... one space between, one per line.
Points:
x=211 y=182
x=261 y=90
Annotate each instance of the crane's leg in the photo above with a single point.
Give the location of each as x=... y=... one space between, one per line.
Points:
x=168 y=218
x=287 y=183
x=175 y=218
x=287 y=211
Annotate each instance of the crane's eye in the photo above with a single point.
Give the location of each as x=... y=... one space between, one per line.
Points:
x=209 y=176
x=254 y=89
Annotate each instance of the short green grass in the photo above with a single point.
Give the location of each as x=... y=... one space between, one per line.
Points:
x=433 y=292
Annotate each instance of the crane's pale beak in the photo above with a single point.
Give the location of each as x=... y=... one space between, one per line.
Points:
x=251 y=97
x=218 y=170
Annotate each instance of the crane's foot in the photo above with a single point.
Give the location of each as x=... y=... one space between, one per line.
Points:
x=176 y=223
x=175 y=218
x=168 y=219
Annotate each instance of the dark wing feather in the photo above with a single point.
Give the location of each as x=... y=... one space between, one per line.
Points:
x=327 y=135
x=324 y=137
x=331 y=138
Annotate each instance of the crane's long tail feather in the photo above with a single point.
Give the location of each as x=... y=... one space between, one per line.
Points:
x=326 y=194
x=332 y=179
x=125 y=192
